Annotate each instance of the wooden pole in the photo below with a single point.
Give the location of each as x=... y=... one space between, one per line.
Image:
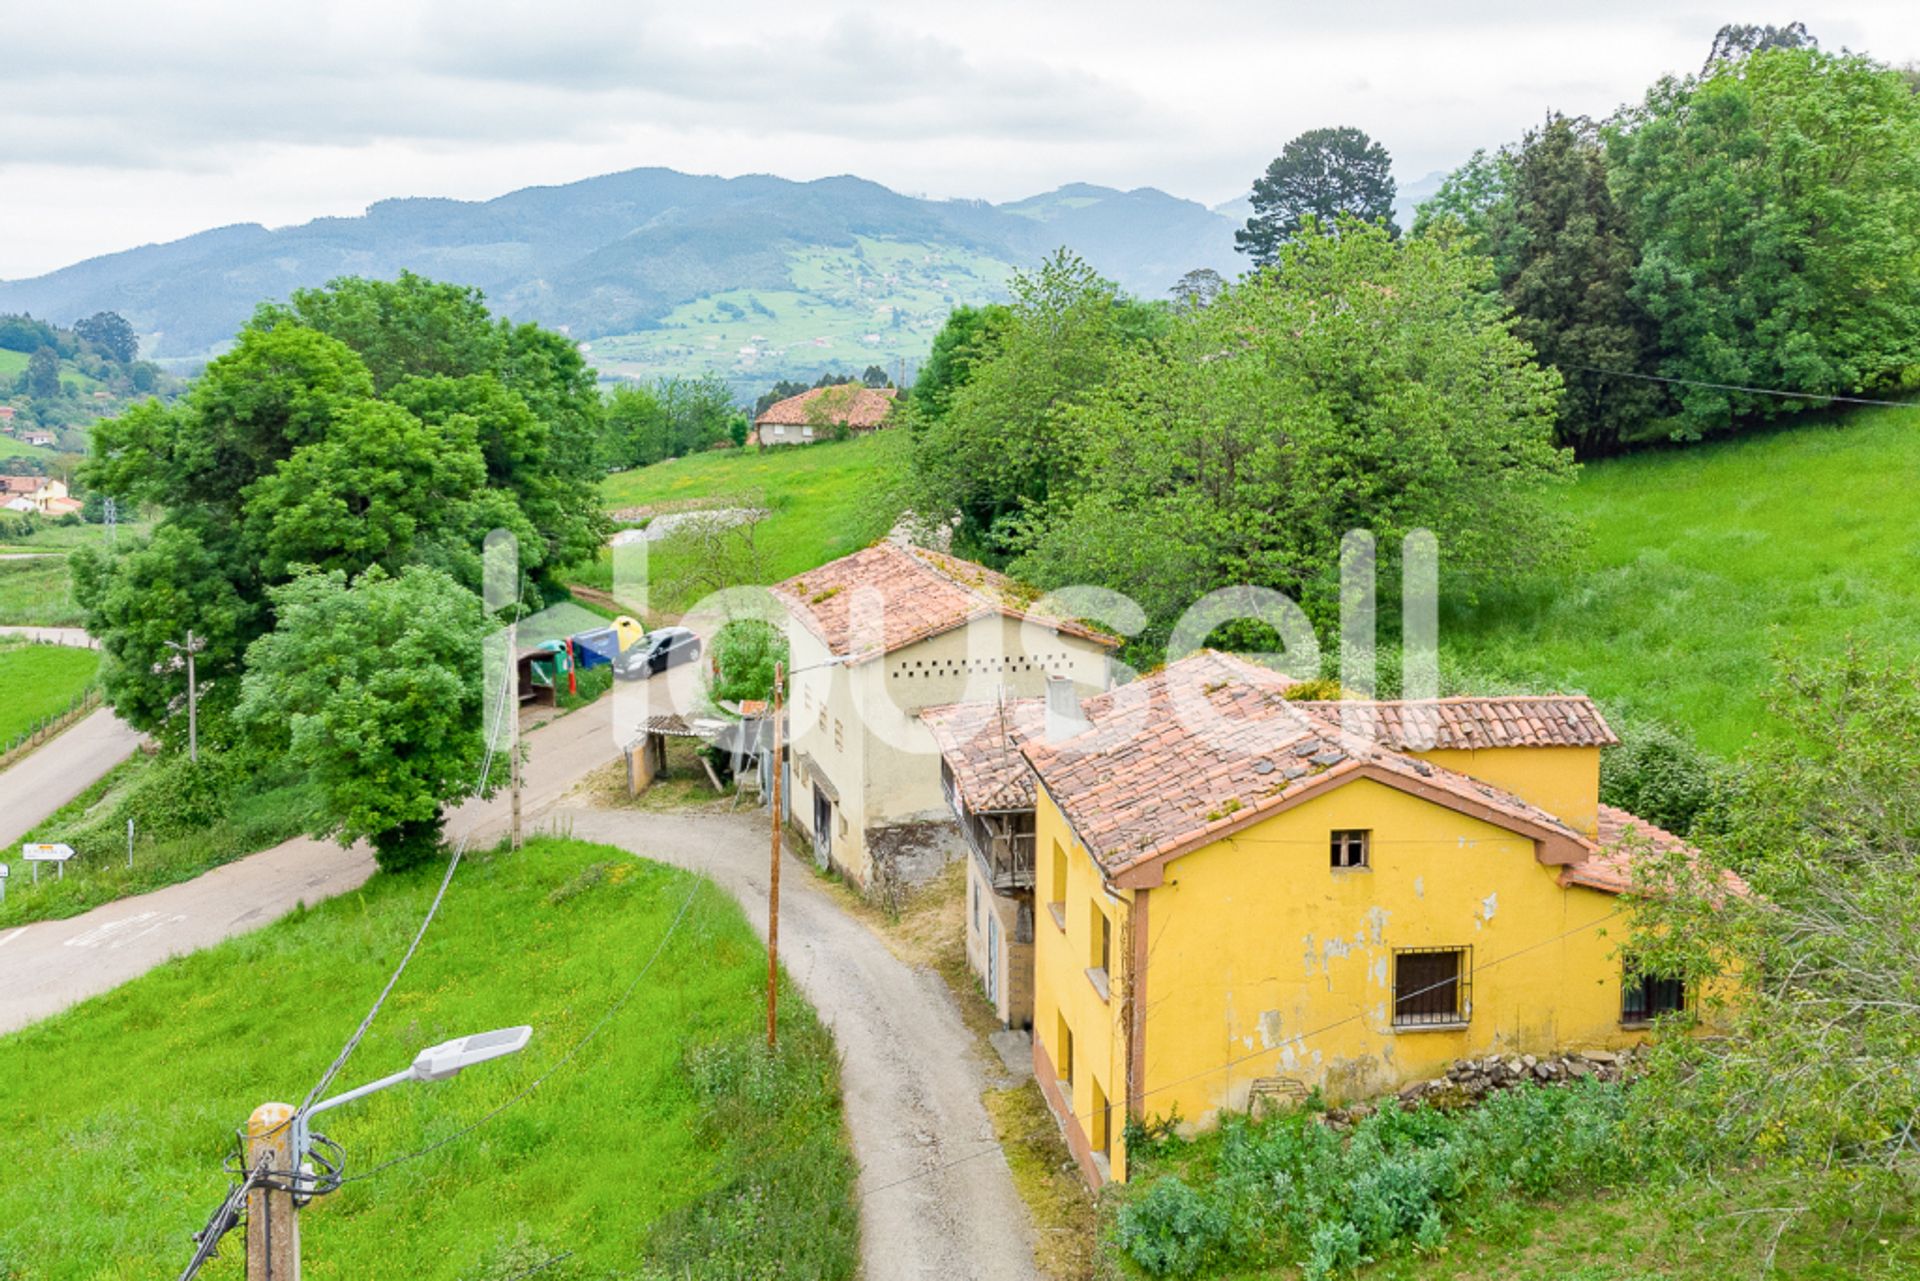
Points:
x=773 y=880
x=513 y=731
x=273 y=1225
x=193 y=703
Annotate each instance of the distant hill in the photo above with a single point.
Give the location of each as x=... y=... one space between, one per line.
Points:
x=656 y=271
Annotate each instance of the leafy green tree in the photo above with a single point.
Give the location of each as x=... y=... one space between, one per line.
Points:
x=42 y=377
x=697 y=411
x=1468 y=198
x=1566 y=267
x=1776 y=205
x=26 y=335
x=1007 y=445
x=150 y=595
x=108 y=333
x=1812 y=976
x=1363 y=383
x=744 y=654
x=636 y=433
x=400 y=328
x=1738 y=39
x=876 y=376
x=1198 y=287
x=374 y=686
x=965 y=339
x=1321 y=175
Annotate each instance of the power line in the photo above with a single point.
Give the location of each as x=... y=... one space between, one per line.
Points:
x=1751 y=391
x=563 y=1060
x=998 y=1145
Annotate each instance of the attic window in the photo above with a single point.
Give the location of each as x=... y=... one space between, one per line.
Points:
x=1349 y=849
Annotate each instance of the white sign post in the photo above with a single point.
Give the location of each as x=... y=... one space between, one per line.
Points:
x=38 y=854
x=3 y=882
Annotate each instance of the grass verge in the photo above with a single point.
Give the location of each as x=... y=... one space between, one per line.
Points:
x=671 y=1145
x=37 y=593
x=40 y=681
x=264 y=810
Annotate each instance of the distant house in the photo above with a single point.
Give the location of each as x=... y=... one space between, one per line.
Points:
x=42 y=438
x=6 y=413
x=32 y=493
x=825 y=413
x=62 y=506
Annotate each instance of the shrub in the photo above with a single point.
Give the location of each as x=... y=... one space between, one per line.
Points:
x=1658 y=774
x=1172 y=1230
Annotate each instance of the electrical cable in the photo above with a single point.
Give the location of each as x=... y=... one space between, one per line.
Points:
x=562 y=1061
x=1751 y=391
x=1000 y=1145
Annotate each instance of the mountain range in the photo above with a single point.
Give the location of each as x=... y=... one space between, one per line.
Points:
x=660 y=272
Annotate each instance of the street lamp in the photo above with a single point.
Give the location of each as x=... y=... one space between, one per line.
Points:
x=435 y=1063
x=773 y=881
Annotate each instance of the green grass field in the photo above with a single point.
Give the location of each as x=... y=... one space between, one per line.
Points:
x=39 y=681
x=1703 y=562
x=671 y=1145
x=824 y=501
x=37 y=593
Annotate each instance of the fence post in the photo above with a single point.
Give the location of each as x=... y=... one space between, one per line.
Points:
x=273 y=1225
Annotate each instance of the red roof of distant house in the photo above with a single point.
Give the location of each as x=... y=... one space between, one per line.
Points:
x=981 y=745
x=21 y=484
x=920 y=593
x=858 y=407
x=61 y=506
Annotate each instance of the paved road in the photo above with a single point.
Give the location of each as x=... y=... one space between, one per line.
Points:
x=50 y=965
x=936 y=1198
x=52 y=635
x=60 y=769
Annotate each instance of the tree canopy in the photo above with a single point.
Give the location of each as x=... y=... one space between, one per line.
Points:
x=1323 y=175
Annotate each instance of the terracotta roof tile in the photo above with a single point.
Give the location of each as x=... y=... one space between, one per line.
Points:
x=981 y=745
x=1552 y=720
x=916 y=593
x=1610 y=866
x=857 y=407
x=1211 y=743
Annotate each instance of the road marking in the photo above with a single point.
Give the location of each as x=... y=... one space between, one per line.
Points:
x=11 y=937
x=105 y=933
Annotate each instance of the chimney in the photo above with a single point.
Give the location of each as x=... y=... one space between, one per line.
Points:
x=1065 y=717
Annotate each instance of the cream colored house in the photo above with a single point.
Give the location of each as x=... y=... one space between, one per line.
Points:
x=31 y=493
x=877 y=637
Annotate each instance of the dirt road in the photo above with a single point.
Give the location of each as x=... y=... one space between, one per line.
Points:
x=47 y=966
x=937 y=1200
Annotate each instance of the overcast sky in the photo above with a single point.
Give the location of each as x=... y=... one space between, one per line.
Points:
x=130 y=123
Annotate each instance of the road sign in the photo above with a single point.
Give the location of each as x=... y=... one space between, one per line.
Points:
x=38 y=854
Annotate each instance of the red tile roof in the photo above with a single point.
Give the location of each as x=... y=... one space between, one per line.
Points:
x=858 y=407
x=981 y=745
x=1552 y=720
x=915 y=593
x=1210 y=744
x=1622 y=835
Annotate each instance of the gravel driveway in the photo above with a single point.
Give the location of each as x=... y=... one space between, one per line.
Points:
x=937 y=1201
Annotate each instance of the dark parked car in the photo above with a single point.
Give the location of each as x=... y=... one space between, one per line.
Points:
x=660 y=649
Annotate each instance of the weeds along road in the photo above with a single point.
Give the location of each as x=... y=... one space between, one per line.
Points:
x=936 y=1198
x=47 y=966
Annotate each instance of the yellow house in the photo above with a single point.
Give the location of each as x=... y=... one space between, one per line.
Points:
x=1245 y=897
x=875 y=638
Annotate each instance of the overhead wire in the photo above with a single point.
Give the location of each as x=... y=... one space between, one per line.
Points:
x=999 y=1145
x=1751 y=391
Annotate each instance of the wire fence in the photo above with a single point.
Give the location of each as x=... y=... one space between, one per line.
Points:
x=52 y=723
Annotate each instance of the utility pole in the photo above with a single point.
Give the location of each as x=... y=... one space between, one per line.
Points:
x=513 y=734
x=773 y=882
x=193 y=693
x=273 y=1226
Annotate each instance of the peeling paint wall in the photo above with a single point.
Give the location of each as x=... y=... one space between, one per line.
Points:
x=1266 y=962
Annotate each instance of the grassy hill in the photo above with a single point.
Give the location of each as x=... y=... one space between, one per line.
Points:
x=650 y=257
x=668 y=1138
x=1703 y=562
x=822 y=501
x=1698 y=565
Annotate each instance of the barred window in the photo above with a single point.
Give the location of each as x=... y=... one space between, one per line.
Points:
x=1432 y=985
